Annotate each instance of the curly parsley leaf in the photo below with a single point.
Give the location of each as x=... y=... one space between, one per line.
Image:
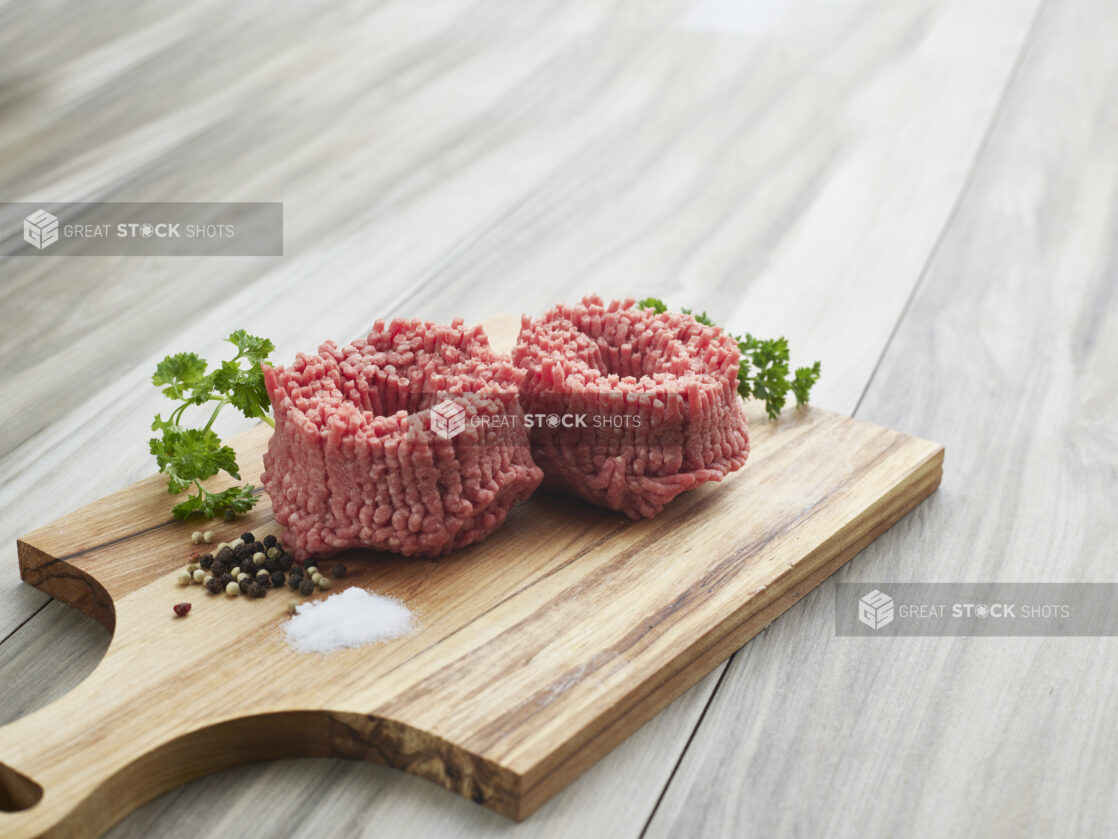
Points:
x=805 y=378
x=702 y=318
x=764 y=371
x=244 y=389
x=181 y=373
x=188 y=456
x=248 y=346
x=208 y=505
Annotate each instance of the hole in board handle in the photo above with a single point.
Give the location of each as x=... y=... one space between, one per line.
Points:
x=17 y=791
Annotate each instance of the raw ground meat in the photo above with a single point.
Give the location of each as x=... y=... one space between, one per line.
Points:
x=675 y=375
x=354 y=462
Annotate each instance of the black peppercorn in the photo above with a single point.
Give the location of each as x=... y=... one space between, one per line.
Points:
x=218 y=568
x=286 y=561
x=214 y=585
x=230 y=515
x=254 y=590
x=241 y=552
x=339 y=571
x=227 y=578
x=244 y=584
x=270 y=541
x=206 y=561
x=297 y=571
x=306 y=587
x=293 y=582
x=277 y=579
x=225 y=554
x=272 y=565
x=247 y=538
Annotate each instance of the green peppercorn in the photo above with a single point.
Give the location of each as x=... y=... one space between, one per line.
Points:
x=191 y=567
x=232 y=589
x=323 y=583
x=274 y=553
x=230 y=515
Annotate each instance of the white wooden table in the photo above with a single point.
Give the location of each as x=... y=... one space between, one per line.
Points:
x=923 y=194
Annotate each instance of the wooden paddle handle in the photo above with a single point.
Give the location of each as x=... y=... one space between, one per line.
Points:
x=79 y=765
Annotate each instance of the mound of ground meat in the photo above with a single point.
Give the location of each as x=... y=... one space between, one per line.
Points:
x=354 y=460
x=658 y=398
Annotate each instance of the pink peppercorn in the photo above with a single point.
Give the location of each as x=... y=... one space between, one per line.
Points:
x=181 y=609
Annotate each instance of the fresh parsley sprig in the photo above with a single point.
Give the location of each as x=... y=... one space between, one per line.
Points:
x=764 y=372
x=188 y=456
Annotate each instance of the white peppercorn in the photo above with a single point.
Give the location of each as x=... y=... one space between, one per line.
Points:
x=208 y=536
x=232 y=589
x=184 y=578
x=196 y=537
x=199 y=575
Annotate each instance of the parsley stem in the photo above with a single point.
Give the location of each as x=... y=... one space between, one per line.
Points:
x=220 y=404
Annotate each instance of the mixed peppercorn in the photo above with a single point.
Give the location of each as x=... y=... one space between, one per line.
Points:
x=251 y=567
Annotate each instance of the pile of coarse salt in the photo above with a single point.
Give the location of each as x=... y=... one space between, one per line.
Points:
x=350 y=618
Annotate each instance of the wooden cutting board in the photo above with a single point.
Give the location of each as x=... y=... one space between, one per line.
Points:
x=540 y=649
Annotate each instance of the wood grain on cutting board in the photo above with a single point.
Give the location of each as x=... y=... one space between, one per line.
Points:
x=539 y=650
